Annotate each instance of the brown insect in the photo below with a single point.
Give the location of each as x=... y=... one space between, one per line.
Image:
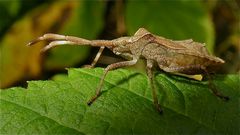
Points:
x=185 y=57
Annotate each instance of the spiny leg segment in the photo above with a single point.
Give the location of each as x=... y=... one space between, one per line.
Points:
x=108 y=68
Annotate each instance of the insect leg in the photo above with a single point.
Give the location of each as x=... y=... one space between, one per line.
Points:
x=96 y=58
x=108 y=68
x=151 y=79
x=214 y=89
x=203 y=69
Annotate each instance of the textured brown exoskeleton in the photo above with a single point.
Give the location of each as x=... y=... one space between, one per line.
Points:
x=186 y=57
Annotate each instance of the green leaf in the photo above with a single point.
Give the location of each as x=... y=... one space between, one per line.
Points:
x=178 y=19
x=8 y=10
x=125 y=106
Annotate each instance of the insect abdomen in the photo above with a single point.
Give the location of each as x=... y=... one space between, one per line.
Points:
x=187 y=64
x=171 y=60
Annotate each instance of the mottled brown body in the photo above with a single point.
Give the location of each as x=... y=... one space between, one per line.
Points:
x=184 y=57
x=187 y=56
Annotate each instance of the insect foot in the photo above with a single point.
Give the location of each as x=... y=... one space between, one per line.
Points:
x=216 y=92
x=158 y=108
x=186 y=57
x=213 y=88
x=92 y=99
x=225 y=98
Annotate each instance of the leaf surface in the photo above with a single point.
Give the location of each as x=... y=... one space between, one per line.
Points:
x=125 y=106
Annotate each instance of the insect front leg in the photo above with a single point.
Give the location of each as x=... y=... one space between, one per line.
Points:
x=108 y=68
x=94 y=62
x=153 y=88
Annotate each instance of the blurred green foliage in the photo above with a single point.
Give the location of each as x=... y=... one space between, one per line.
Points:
x=172 y=19
x=22 y=21
x=85 y=20
x=71 y=18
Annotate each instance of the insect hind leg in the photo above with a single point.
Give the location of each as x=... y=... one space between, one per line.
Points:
x=189 y=69
x=213 y=88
